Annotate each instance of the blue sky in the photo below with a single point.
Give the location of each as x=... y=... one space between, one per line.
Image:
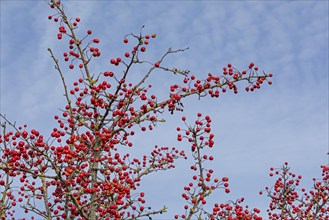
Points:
x=287 y=121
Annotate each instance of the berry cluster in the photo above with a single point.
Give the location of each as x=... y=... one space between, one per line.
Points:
x=288 y=201
x=202 y=184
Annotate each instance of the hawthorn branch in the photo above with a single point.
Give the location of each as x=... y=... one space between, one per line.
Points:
x=170 y=51
x=58 y=68
x=76 y=40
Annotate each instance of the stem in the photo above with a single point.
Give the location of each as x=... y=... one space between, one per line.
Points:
x=45 y=197
x=94 y=172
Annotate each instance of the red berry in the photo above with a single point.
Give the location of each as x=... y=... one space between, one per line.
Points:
x=89 y=32
x=108 y=74
x=225 y=179
x=157 y=64
x=125 y=40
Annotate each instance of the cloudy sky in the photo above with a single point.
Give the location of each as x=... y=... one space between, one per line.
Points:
x=287 y=121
